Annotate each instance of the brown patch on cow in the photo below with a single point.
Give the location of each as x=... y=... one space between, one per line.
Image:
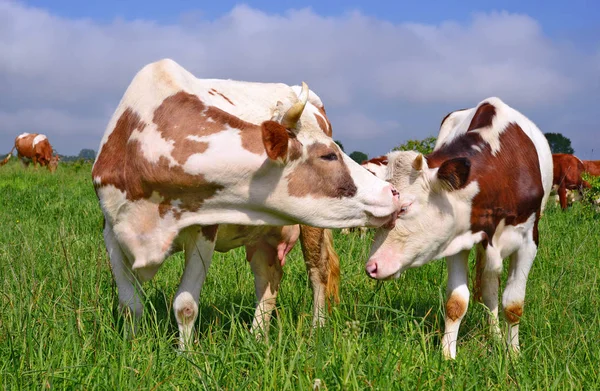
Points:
x=210 y=232
x=211 y=93
x=321 y=178
x=455 y=307
x=567 y=175
x=379 y=161
x=513 y=313
x=121 y=163
x=183 y=115
x=324 y=123
x=510 y=182
x=275 y=139
x=221 y=95
x=111 y=164
x=483 y=117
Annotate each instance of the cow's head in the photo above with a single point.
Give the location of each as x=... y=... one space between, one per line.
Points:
x=324 y=186
x=53 y=163
x=435 y=206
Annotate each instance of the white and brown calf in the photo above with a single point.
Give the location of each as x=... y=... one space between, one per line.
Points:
x=182 y=156
x=485 y=184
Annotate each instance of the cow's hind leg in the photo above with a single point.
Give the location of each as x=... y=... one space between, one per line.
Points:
x=457 y=300
x=513 y=297
x=490 y=281
x=267 y=275
x=323 y=267
x=129 y=288
x=198 y=244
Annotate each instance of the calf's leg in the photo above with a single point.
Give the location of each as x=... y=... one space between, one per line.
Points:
x=457 y=300
x=513 y=298
x=267 y=275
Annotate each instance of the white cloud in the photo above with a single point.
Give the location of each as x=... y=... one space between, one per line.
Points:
x=66 y=76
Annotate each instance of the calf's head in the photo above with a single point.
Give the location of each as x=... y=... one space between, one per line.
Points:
x=435 y=206
x=324 y=186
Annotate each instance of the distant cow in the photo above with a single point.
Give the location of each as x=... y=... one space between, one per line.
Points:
x=36 y=148
x=567 y=176
x=592 y=167
x=486 y=183
x=184 y=158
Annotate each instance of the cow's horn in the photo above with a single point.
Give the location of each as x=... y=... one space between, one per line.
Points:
x=291 y=117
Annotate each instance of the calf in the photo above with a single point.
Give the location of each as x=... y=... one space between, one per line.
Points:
x=35 y=148
x=567 y=176
x=485 y=184
x=183 y=157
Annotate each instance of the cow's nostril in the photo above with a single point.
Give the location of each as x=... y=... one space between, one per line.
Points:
x=371 y=269
x=395 y=192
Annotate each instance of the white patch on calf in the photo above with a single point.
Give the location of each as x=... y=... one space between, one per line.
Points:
x=22 y=135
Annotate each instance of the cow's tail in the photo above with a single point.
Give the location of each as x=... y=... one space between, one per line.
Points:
x=479 y=266
x=7 y=158
x=328 y=255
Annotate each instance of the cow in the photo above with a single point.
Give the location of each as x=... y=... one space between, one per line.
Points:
x=36 y=148
x=592 y=167
x=567 y=176
x=485 y=184
x=183 y=156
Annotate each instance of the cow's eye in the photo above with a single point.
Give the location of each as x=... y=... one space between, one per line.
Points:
x=330 y=157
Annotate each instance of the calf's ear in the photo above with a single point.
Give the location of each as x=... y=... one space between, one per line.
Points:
x=453 y=174
x=275 y=139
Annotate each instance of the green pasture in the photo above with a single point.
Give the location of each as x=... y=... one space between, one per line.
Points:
x=59 y=328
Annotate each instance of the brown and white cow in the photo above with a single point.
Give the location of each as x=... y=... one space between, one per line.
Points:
x=567 y=176
x=592 y=167
x=36 y=148
x=486 y=183
x=182 y=156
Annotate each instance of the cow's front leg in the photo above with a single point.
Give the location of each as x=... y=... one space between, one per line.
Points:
x=267 y=275
x=457 y=300
x=513 y=297
x=199 y=244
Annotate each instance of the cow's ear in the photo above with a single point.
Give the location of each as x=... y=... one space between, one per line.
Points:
x=275 y=139
x=453 y=174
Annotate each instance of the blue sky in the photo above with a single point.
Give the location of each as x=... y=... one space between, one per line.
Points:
x=386 y=71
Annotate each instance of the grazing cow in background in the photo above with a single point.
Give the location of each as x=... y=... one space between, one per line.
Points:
x=486 y=183
x=34 y=147
x=183 y=156
x=592 y=167
x=567 y=176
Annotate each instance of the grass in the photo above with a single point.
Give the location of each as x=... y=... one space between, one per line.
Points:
x=59 y=328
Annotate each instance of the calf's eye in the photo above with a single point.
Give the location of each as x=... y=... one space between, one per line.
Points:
x=330 y=157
